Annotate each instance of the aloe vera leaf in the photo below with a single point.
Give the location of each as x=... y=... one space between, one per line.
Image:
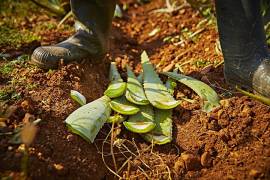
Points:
x=135 y=92
x=162 y=133
x=78 y=97
x=155 y=91
x=116 y=118
x=139 y=127
x=123 y=106
x=88 y=119
x=140 y=77
x=208 y=95
x=143 y=121
x=156 y=138
x=117 y=87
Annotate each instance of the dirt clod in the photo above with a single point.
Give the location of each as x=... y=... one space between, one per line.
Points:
x=206 y=159
x=191 y=162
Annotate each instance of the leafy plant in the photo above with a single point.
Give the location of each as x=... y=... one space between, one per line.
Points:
x=145 y=109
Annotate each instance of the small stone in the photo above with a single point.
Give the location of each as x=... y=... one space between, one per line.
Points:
x=225 y=103
x=191 y=161
x=3 y=124
x=206 y=159
x=246 y=111
x=254 y=173
x=70 y=137
x=58 y=167
x=179 y=165
x=25 y=105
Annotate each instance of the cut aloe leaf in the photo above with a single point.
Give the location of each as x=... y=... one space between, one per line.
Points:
x=157 y=138
x=208 y=95
x=88 y=119
x=143 y=121
x=163 y=128
x=123 y=106
x=155 y=91
x=139 y=127
x=117 y=87
x=162 y=133
x=117 y=118
x=78 y=97
x=135 y=92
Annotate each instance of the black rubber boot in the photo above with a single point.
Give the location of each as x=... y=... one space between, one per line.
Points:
x=93 y=24
x=243 y=43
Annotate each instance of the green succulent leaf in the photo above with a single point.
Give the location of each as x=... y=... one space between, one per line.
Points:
x=155 y=91
x=123 y=106
x=162 y=133
x=117 y=87
x=116 y=118
x=140 y=77
x=208 y=95
x=78 y=97
x=139 y=127
x=143 y=121
x=135 y=92
x=88 y=119
x=157 y=138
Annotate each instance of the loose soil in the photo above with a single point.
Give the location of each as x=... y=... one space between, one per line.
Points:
x=232 y=142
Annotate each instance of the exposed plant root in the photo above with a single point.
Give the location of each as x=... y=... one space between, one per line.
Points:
x=134 y=157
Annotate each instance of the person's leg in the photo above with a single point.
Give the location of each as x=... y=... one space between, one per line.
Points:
x=93 y=24
x=243 y=44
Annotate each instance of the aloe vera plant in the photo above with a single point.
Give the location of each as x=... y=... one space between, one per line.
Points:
x=88 y=119
x=142 y=122
x=207 y=94
x=117 y=87
x=135 y=92
x=123 y=106
x=155 y=91
x=78 y=97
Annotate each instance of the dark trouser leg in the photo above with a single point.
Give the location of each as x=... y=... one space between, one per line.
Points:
x=243 y=44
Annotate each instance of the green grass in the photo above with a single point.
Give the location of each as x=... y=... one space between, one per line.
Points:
x=13 y=37
x=7 y=68
x=9 y=93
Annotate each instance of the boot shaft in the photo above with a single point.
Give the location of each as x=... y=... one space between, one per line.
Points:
x=93 y=15
x=241 y=29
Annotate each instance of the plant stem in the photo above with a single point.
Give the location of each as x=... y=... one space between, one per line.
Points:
x=260 y=98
